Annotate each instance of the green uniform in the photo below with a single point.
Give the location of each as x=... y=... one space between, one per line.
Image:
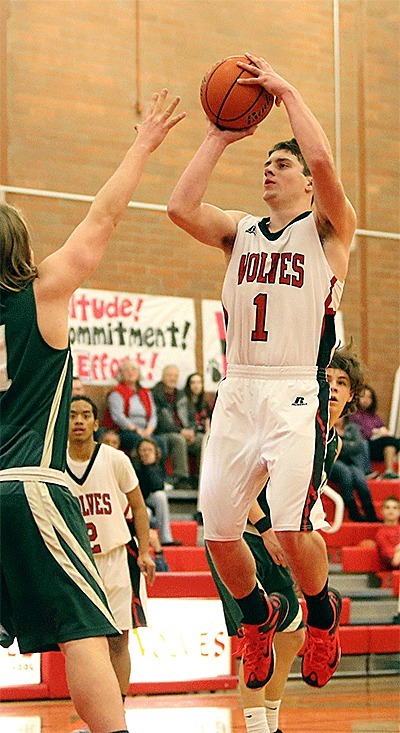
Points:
x=51 y=591
x=271 y=577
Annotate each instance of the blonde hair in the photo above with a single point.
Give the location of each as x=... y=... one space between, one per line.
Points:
x=16 y=267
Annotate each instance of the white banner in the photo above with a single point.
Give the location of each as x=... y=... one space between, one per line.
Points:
x=214 y=343
x=186 y=639
x=107 y=327
x=18 y=669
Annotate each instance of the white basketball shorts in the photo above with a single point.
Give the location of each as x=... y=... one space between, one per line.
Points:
x=266 y=419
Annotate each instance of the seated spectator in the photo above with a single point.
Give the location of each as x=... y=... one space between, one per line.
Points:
x=387 y=538
x=199 y=409
x=348 y=475
x=176 y=425
x=383 y=446
x=146 y=460
x=131 y=409
x=110 y=437
x=78 y=389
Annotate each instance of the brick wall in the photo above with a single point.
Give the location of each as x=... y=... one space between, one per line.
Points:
x=72 y=89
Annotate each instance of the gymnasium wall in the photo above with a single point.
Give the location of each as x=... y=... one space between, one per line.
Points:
x=74 y=73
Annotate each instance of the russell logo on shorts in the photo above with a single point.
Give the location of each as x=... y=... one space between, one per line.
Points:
x=299 y=402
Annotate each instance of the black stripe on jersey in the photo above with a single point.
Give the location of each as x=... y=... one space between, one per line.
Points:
x=82 y=480
x=264 y=223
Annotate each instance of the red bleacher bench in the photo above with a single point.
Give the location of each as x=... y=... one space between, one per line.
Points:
x=186 y=531
x=367 y=560
x=351 y=533
x=361 y=560
x=370 y=639
x=186 y=558
x=183 y=585
x=382 y=488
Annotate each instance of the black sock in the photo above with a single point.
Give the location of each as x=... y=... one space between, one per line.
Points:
x=320 y=611
x=253 y=607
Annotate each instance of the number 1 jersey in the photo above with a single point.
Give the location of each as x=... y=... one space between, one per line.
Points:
x=280 y=296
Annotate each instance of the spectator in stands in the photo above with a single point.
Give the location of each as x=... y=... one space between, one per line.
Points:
x=147 y=462
x=349 y=477
x=131 y=409
x=383 y=445
x=199 y=409
x=111 y=437
x=387 y=537
x=78 y=388
x=176 y=425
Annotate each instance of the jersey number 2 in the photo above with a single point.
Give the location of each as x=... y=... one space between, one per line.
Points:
x=92 y=532
x=260 y=333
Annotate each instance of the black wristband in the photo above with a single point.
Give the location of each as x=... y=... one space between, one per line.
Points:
x=159 y=552
x=262 y=524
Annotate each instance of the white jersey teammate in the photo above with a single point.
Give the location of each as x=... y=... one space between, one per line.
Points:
x=105 y=483
x=283 y=284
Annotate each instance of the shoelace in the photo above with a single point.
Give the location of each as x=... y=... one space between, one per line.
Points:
x=255 y=648
x=319 y=650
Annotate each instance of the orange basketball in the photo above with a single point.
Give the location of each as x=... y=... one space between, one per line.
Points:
x=230 y=105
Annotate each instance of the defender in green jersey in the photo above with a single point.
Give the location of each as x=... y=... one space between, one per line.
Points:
x=52 y=595
x=261 y=707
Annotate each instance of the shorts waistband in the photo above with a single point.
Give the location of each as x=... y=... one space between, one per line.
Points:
x=271 y=372
x=33 y=473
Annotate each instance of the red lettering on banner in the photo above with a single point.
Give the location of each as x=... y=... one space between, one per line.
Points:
x=83 y=365
x=219 y=643
x=203 y=644
x=83 y=308
x=126 y=308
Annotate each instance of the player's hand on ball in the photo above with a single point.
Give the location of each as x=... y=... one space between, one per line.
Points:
x=230 y=136
x=158 y=120
x=265 y=76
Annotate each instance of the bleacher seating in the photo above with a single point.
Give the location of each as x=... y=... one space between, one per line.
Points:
x=185 y=531
x=191 y=559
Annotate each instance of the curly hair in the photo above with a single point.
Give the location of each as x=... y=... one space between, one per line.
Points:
x=345 y=359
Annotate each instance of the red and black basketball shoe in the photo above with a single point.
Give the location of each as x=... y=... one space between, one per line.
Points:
x=257 y=650
x=321 y=654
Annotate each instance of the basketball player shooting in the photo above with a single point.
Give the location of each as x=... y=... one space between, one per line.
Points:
x=283 y=283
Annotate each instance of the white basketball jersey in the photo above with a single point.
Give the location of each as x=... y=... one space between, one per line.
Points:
x=100 y=484
x=280 y=296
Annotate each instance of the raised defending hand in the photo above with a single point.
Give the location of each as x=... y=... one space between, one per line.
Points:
x=158 y=120
x=273 y=546
x=264 y=74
